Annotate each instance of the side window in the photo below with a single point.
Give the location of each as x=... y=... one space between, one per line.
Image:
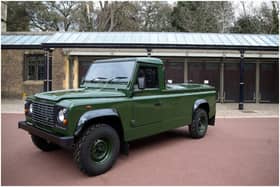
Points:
x=151 y=76
x=34 y=67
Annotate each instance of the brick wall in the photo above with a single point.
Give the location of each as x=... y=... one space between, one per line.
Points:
x=58 y=73
x=12 y=69
x=12 y=73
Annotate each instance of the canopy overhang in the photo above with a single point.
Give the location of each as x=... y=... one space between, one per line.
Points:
x=144 y=40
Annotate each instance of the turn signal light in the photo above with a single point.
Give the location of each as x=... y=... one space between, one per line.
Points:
x=88 y=107
x=25 y=110
x=65 y=122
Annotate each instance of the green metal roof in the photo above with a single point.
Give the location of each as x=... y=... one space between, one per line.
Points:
x=174 y=40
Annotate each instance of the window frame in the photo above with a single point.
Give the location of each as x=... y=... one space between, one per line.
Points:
x=147 y=66
x=36 y=64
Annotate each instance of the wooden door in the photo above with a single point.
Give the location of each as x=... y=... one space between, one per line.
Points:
x=198 y=72
x=269 y=82
x=231 y=82
x=250 y=82
x=174 y=71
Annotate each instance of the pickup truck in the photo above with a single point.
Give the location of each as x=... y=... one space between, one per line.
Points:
x=118 y=101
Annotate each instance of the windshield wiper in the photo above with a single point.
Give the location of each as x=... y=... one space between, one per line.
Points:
x=96 y=79
x=111 y=79
x=115 y=78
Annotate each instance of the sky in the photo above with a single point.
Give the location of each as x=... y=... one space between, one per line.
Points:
x=250 y=5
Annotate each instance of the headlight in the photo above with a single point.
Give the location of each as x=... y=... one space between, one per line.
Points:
x=61 y=114
x=31 y=108
x=28 y=107
x=61 y=118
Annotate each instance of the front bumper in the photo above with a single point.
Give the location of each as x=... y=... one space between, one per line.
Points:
x=64 y=141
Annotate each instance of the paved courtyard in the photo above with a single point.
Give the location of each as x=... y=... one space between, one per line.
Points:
x=237 y=151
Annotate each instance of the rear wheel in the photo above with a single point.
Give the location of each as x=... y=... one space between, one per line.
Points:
x=97 y=149
x=199 y=125
x=43 y=144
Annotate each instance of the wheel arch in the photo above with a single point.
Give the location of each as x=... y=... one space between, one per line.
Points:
x=201 y=103
x=108 y=116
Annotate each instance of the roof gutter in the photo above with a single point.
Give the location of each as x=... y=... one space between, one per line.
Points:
x=143 y=46
x=158 y=46
x=21 y=46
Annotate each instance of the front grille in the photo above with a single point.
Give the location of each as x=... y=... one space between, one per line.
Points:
x=44 y=114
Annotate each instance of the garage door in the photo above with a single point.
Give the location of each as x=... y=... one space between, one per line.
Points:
x=269 y=82
x=174 y=71
x=199 y=71
x=250 y=82
x=231 y=82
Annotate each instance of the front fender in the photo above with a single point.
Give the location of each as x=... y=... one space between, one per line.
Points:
x=90 y=115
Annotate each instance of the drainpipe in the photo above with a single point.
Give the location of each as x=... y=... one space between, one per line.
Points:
x=48 y=70
x=241 y=82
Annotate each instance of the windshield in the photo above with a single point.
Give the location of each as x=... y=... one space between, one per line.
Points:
x=110 y=72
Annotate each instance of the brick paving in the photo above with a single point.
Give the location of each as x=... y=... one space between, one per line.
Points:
x=240 y=151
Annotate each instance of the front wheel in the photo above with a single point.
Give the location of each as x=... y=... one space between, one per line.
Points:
x=199 y=125
x=97 y=149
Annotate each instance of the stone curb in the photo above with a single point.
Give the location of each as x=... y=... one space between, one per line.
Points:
x=221 y=117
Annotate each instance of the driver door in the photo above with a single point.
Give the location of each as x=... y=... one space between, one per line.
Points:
x=146 y=104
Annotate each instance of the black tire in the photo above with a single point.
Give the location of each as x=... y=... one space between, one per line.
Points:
x=199 y=125
x=43 y=144
x=97 y=149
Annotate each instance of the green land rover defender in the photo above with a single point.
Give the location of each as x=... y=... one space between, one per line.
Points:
x=120 y=100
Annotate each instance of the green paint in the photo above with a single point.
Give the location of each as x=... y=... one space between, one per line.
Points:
x=142 y=112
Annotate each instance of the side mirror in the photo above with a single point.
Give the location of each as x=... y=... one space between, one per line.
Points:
x=83 y=80
x=141 y=83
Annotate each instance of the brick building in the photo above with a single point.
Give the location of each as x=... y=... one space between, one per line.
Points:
x=188 y=57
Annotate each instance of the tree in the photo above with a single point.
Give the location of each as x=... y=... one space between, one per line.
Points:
x=52 y=15
x=84 y=16
x=17 y=16
x=155 y=16
x=197 y=16
x=246 y=24
x=268 y=17
x=224 y=16
x=264 y=19
x=275 y=17
x=116 y=16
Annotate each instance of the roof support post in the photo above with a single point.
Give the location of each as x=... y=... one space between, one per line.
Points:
x=222 y=69
x=48 y=70
x=241 y=82
x=149 y=51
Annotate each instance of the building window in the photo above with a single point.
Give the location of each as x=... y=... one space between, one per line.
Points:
x=34 y=67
